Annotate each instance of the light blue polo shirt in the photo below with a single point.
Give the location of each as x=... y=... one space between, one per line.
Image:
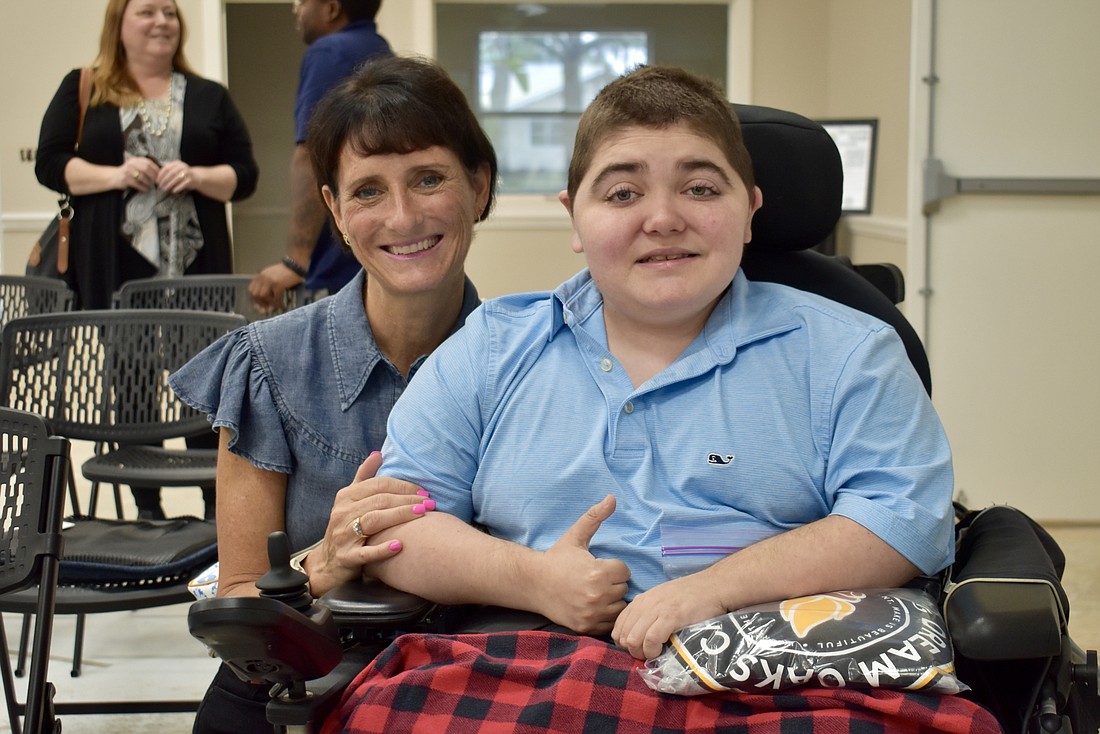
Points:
x=786 y=408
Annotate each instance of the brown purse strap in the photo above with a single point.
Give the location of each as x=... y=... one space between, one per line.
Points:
x=66 y=213
x=85 y=95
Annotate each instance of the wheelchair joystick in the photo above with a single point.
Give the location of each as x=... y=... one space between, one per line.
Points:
x=280 y=637
x=282 y=582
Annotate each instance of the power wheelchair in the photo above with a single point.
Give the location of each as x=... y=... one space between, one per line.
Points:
x=1002 y=599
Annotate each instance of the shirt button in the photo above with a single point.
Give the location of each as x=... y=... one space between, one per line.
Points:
x=605 y=364
x=628 y=408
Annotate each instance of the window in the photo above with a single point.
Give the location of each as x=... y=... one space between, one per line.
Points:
x=530 y=69
x=532 y=88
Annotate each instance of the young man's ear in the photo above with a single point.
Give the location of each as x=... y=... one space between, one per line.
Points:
x=755 y=203
x=575 y=243
x=563 y=197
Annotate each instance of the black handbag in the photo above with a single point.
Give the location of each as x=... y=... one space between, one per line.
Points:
x=49 y=257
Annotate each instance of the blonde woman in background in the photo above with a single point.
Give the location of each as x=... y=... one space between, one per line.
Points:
x=161 y=153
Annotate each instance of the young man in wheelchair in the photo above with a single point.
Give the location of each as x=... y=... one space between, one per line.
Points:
x=648 y=394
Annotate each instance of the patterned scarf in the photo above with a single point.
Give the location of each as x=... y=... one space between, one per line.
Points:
x=163 y=227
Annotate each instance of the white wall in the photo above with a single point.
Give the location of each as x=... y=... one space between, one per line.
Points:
x=1009 y=305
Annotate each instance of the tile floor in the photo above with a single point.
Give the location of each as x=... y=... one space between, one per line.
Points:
x=150 y=655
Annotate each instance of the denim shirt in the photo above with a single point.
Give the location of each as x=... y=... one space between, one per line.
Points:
x=305 y=394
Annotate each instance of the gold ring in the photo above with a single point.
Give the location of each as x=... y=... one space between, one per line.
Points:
x=356 y=529
x=181 y=175
x=136 y=175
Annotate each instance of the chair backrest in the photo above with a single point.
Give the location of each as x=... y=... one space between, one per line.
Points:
x=225 y=293
x=798 y=169
x=24 y=295
x=103 y=375
x=34 y=467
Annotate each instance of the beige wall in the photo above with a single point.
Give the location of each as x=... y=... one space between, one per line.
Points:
x=843 y=59
x=264 y=54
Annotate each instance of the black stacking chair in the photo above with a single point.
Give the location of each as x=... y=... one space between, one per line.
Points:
x=33 y=474
x=1003 y=601
x=101 y=376
x=224 y=293
x=24 y=295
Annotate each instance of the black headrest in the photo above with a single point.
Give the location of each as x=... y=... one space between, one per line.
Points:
x=797 y=166
x=798 y=169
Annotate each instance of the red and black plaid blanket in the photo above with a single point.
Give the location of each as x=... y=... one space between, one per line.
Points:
x=541 y=682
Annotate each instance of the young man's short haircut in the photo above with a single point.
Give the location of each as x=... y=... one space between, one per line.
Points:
x=659 y=97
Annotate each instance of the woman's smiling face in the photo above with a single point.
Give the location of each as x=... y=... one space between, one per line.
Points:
x=662 y=219
x=409 y=216
x=150 y=27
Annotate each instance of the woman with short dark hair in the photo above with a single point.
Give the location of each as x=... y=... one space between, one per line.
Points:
x=301 y=400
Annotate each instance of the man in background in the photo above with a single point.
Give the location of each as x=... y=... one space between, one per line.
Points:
x=341 y=35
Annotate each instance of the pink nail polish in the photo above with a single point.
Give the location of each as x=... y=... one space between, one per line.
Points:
x=419 y=509
x=423 y=493
x=395 y=546
x=373 y=453
x=429 y=505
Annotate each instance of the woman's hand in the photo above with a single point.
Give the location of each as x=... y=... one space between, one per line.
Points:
x=367 y=506
x=576 y=589
x=175 y=177
x=653 y=616
x=139 y=173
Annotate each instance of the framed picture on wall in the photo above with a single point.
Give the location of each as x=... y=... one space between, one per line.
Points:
x=856 y=141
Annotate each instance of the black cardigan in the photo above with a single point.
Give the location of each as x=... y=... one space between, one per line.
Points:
x=213 y=133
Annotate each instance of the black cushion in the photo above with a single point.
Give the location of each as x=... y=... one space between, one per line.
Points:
x=798 y=169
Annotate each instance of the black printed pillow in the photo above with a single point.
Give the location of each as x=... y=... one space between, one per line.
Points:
x=881 y=638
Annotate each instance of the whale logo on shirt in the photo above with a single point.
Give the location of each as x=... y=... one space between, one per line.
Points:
x=717 y=459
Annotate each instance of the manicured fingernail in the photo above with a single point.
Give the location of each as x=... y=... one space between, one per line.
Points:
x=429 y=505
x=373 y=453
x=419 y=509
x=395 y=546
x=423 y=493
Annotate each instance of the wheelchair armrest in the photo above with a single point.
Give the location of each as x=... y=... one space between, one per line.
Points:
x=1003 y=597
x=1004 y=620
x=264 y=639
x=374 y=605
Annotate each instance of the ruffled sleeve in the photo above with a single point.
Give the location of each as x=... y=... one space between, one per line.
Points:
x=228 y=383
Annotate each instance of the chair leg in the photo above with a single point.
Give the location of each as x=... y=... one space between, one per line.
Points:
x=24 y=637
x=93 y=500
x=118 y=501
x=74 y=500
x=78 y=647
x=9 y=681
